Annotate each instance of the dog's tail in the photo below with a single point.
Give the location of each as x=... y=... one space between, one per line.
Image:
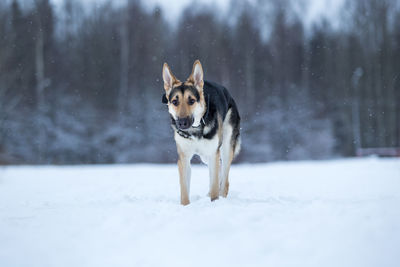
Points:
x=237 y=146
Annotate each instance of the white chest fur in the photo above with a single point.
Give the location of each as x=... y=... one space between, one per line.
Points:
x=194 y=146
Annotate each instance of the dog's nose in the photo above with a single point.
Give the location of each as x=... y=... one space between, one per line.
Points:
x=184 y=123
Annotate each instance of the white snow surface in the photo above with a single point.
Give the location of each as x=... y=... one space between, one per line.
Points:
x=326 y=213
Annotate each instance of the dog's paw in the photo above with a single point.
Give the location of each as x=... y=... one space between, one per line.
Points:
x=185 y=201
x=214 y=198
x=223 y=192
x=214 y=195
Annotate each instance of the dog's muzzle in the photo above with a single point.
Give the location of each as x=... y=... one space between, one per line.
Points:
x=184 y=123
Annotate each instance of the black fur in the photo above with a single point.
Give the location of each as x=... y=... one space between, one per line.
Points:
x=164 y=99
x=218 y=102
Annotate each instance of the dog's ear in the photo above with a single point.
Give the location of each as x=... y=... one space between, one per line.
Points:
x=164 y=99
x=197 y=75
x=168 y=77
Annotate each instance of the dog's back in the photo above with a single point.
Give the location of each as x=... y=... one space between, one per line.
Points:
x=220 y=102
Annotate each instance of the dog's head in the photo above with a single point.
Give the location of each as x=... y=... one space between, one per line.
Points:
x=185 y=100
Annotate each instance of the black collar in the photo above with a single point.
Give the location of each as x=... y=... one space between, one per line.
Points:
x=183 y=134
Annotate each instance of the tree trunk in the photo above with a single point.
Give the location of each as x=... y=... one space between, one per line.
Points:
x=39 y=62
x=124 y=61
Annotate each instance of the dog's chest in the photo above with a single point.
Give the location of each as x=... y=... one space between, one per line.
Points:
x=198 y=146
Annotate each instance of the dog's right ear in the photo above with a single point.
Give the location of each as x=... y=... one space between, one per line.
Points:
x=168 y=77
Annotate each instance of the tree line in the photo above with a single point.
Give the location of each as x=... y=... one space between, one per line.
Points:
x=85 y=87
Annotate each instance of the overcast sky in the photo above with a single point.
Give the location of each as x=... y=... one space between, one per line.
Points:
x=172 y=8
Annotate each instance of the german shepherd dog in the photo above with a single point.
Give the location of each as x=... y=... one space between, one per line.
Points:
x=206 y=122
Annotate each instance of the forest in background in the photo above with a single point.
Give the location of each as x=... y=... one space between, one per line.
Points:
x=85 y=87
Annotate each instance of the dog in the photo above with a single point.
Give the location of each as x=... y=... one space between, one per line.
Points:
x=206 y=122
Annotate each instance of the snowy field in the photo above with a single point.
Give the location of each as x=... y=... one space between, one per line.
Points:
x=327 y=213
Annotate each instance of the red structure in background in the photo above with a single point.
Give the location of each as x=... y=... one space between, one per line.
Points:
x=379 y=151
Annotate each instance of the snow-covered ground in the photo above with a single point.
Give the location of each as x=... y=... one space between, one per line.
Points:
x=327 y=213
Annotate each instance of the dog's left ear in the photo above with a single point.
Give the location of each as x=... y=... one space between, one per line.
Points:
x=197 y=75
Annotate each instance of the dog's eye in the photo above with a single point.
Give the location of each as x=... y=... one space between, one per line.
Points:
x=175 y=102
x=191 y=101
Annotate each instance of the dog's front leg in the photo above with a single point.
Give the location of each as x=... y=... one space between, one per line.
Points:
x=184 y=177
x=213 y=167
